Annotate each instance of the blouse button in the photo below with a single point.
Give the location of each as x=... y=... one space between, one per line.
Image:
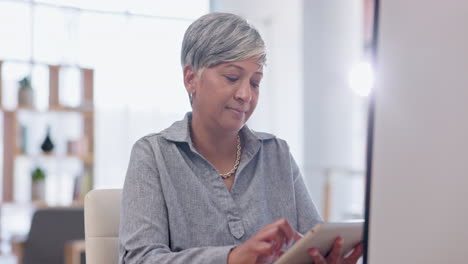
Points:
x=237 y=228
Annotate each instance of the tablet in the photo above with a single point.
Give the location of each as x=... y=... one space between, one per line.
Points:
x=322 y=236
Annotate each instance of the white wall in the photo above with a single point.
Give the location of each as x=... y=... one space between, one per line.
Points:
x=305 y=98
x=334 y=117
x=280 y=109
x=420 y=177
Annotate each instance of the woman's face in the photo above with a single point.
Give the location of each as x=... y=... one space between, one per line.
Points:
x=225 y=96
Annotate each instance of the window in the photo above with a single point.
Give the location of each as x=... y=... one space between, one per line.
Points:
x=134 y=49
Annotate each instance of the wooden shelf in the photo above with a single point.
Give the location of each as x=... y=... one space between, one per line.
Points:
x=83 y=110
x=12 y=127
x=87 y=158
x=39 y=204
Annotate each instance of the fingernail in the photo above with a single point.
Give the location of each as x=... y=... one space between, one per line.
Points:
x=313 y=252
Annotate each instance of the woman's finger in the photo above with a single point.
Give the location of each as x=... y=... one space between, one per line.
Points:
x=276 y=234
x=316 y=256
x=335 y=254
x=263 y=248
x=287 y=229
x=272 y=233
x=355 y=255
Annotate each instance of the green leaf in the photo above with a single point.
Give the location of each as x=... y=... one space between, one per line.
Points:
x=38 y=175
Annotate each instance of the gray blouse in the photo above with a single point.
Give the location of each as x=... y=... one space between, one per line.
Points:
x=177 y=209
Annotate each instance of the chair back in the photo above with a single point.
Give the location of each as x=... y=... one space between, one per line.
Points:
x=102 y=219
x=50 y=229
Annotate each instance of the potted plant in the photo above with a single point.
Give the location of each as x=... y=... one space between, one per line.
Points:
x=25 y=93
x=38 y=184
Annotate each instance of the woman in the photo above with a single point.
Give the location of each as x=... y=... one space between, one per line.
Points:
x=208 y=189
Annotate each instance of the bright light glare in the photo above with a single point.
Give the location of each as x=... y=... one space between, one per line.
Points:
x=361 y=78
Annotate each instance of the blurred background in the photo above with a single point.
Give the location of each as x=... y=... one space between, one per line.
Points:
x=82 y=80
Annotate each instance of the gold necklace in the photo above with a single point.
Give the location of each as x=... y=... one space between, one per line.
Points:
x=236 y=164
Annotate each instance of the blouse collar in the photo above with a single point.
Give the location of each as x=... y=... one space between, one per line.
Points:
x=179 y=131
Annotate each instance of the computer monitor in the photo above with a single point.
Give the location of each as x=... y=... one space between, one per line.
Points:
x=417 y=178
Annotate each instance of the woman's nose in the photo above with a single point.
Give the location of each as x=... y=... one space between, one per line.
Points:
x=244 y=92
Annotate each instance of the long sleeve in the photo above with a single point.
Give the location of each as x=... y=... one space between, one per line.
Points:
x=307 y=214
x=144 y=227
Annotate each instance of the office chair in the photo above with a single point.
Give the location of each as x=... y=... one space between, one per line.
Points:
x=51 y=229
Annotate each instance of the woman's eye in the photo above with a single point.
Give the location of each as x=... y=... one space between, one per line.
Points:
x=231 y=79
x=255 y=85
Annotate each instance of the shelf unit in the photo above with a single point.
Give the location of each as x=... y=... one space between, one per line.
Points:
x=12 y=130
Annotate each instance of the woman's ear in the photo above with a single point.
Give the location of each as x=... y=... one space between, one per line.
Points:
x=189 y=79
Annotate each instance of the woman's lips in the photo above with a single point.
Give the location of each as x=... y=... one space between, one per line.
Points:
x=236 y=110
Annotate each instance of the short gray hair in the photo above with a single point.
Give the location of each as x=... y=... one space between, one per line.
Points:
x=220 y=37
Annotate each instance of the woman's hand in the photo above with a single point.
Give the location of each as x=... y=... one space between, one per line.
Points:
x=334 y=257
x=265 y=246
